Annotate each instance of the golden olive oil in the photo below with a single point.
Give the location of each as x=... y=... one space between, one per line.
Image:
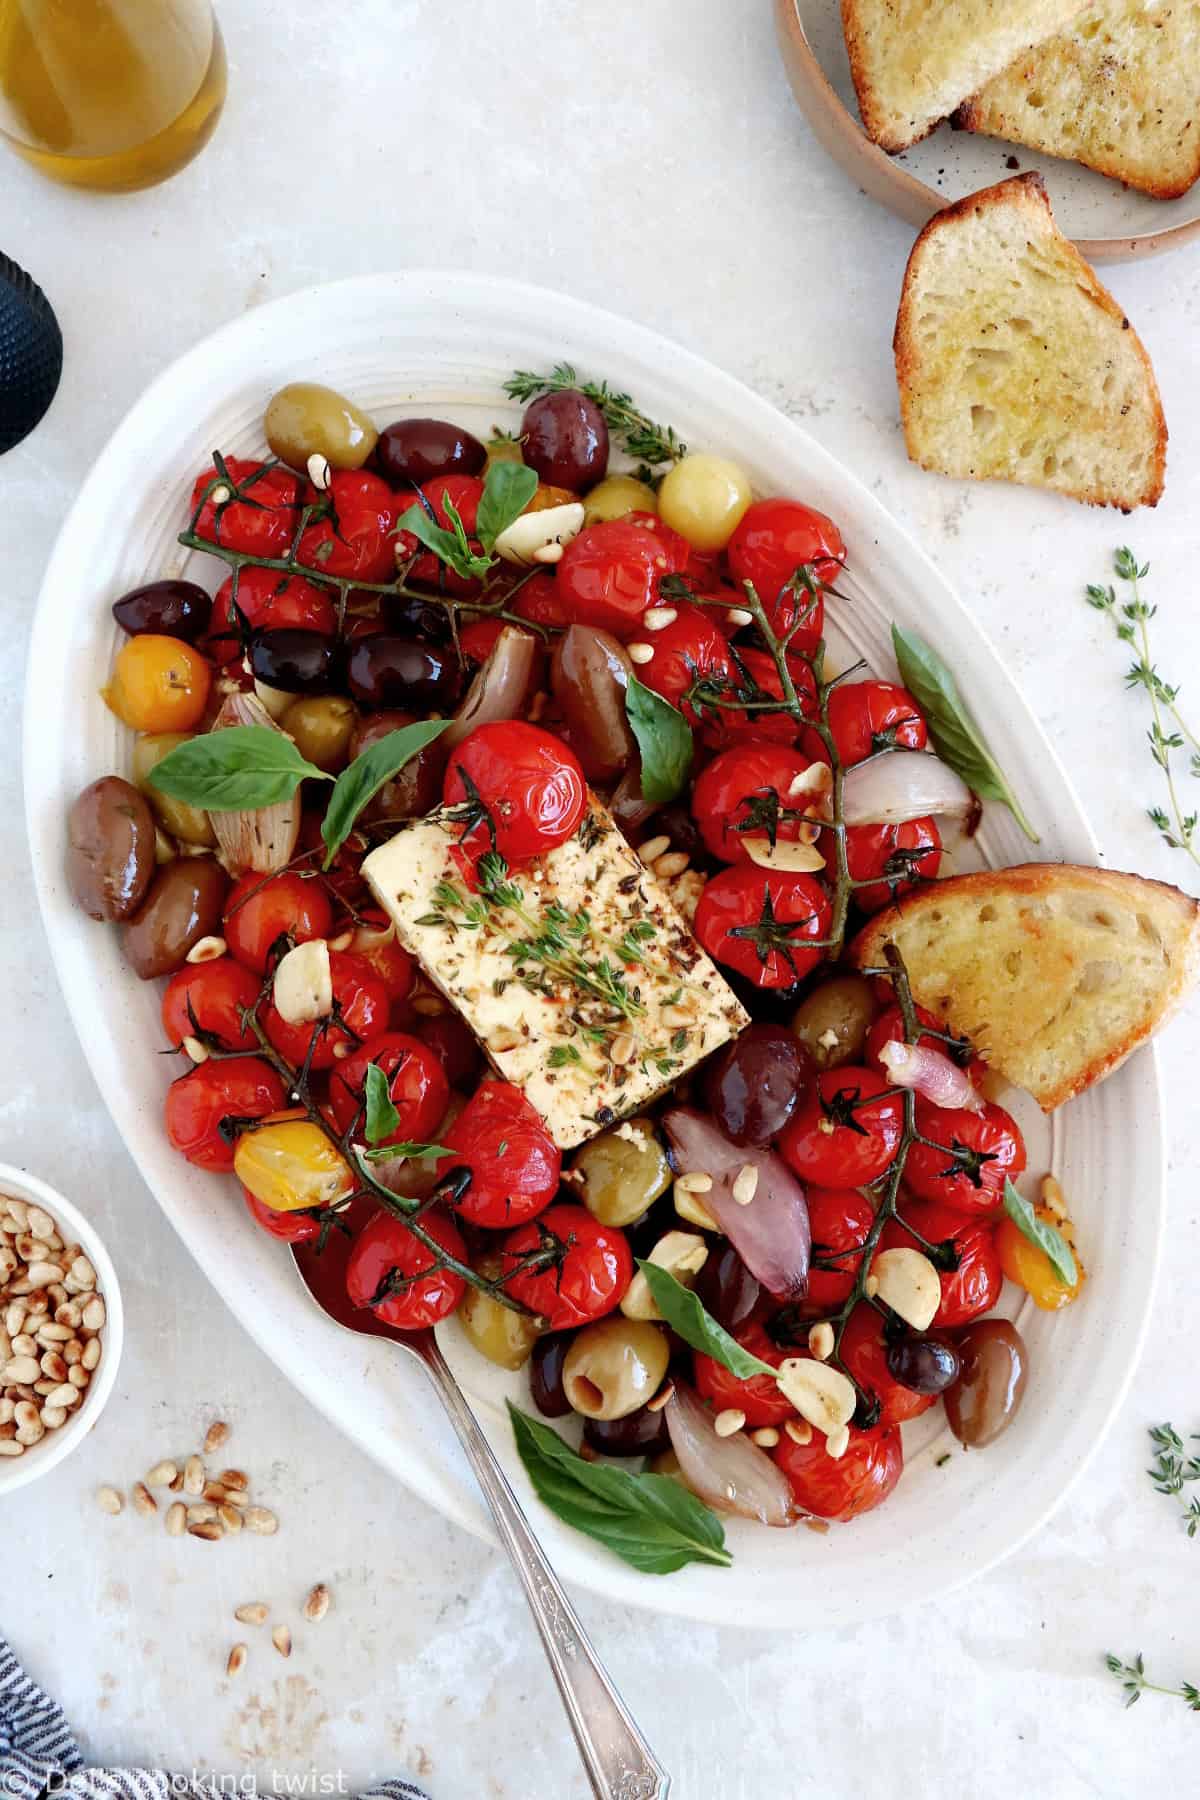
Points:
x=109 y=94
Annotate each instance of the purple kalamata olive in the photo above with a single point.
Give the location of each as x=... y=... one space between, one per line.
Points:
x=178 y=609
x=994 y=1365
x=927 y=1365
x=727 y=1288
x=184 y=905
x=295 y=661
x=589 y=674
x=390 y=671
x=413 y=451
x=640 y=1433
x=564 y=437
x=110 y=849
x=414 y=789
x=546 y=1374
x=410 y=616
x=754 y=1085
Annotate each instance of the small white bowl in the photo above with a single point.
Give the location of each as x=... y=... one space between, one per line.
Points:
x=41 y=1457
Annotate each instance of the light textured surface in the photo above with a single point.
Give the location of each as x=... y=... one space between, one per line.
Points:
x=648 y=158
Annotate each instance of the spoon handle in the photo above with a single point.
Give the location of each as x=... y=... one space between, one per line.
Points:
x=618 y=1760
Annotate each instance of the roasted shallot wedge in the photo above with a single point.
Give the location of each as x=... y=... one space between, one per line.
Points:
x=754 y=1197
x=730 y=1474
x=498 y=689
x=902 y=785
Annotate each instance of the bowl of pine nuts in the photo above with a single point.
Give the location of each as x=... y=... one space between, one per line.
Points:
x=61 y=1327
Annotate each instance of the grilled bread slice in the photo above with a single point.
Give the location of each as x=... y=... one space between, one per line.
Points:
x=1055 y=973
x=914 y=61
x=1118 y=90
x=1015 y=364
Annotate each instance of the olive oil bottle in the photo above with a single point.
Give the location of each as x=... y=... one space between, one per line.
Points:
x=109 y=94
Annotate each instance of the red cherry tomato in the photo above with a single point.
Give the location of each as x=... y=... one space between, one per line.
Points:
x=691 y=649
x=417 y=1087
x=376 y=942
x=360 y=1001
x=774 y=539
x=610 y=573
x=355 y=536
x=991 y=1148
x=291 y=1227
x=387 y=1248
x=900 y=855
x=866 y=716
x=746 y=792
x=263 y=909
x=263 y=522
x=889 y=1029
x=243 y=1088
x=530 y=783
x=974 y=1286
x=207 y=997
x=839 y=1219
x=864 y=1352
x=758 y=1396
x=268 y=601
x=835 y=1143
x=759 y=921
x=455 y=1045
x=593 y=1269
x=757 y=678
x=854 y=1483
x=463 y=492
x=514 y=1162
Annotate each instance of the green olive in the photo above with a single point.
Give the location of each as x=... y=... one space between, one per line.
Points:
x=832 y=1022
x=615 y=1366
x=615 y=496
x=624 y=1171
x=322 y=725
x=503 y=1336
x=188 y=823
x=306 y=419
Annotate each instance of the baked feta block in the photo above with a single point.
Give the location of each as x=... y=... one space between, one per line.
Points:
x=576 y=973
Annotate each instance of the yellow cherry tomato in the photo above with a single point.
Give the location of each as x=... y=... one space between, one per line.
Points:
x=615 y=496
x=546 y=495
x=159 y=684
x=289 y=1164
x=704 y=497
x=1032 y=1269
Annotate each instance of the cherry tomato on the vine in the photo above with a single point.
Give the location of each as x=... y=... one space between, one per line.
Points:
x=417 y=1087
x=386 y=1249
x=610 y=573
x=290 y=1227
x=463 y=493
x=866 y=716
x=745 y=792
x=354 y=536
x=979 y=1151
x=376 y=942
x=840 y=1136
x=208 y=998
x=263 y=521
x=527 y=780
x=899 y=855
x=889 y=1029
x=240 y=1089
x=839 y=1219
x=842 y=1487
x=262 y=910
x=267 y=601
x=864 y=1352
x=592 y=1269
x=360 y=1002
x=514 y=1162
x=974 y=1286
x=691 y=649
x=757 y=678
x=542 y=602
x=774 y=540
x=758 y=1396
x=760 y=921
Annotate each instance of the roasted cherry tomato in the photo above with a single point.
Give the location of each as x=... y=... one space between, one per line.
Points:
x=773 y=541
x=197 y=1104
x=386 y=1251
x=691 y=649
x=354 y=535
x=610 y=573
x=746 y=792
x=376 y=942
x=463 y=493
x=289 y=1227
x=834 y=1140
x=592 y=1268
x=889 y=1029
x=417 y=1087
x=514 y=1162
x=974 y=1286
x=758 y=1396
x=980 y=1150
x=757 y=678
x=265 y=910
x=289 y=1163
x=839 y=1219
x=899 y=855
x=158 y=684
x=267 y=601
x=261 y=520
x=760 y=921
x=541 y=601
x=360 y=1002
x=853 y=1483
x=529 y=782
x=455 y=1046
x=867 y=716
x=864 y=1352
x=205 y=1000
x=1029 y=1266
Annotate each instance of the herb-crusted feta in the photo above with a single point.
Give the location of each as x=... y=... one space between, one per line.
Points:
x=582 y=982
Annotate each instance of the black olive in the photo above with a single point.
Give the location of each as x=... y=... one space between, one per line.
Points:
x=727 y=1288
x=413 y=451
x=400 y=672
x=296 y=661
x=640 y=1433
x=546 y=1374
x=411 y=617
x=926 y=1365
x=178 y=609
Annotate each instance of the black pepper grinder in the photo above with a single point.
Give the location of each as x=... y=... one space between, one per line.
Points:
x=31 y=354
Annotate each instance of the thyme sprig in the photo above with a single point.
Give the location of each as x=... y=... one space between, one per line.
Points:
x=1132 y=1677
x=643 y=439
x=1169 y=732
x=1173 y=1468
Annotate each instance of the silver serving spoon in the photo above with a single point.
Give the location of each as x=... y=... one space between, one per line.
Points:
x=619 y=1762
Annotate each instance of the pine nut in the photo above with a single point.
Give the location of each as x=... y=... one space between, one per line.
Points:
x=699 y=1183
x=317 y=1604
x=838 y=1442
x=94 y=1314
x=319 y=471
x=72 y=1352
x=7 y=1409
x=674 y=863
x=429 y=1006
x=236 y=1660
x=729 y=1420
x=109 y=1500
x=221 y=495
x=27 y=1420
x=738 y=615
x=206 y=949
x=799 y=1430
x=66 y=1395
x=10 y=1447
x=176 y=1518
x=14 y=1317
x=78 y=1376
x=90 y=1358
x=253 y=1612
x=660 y=1399
x=161 y=1475
x=53 y=1366
x=53 y=1416
x=640 y=653
x=506 y=1038
x=821 y=1340
x=281 y=1637
x=176 y=1486
x=82 y=1271
x=261 y=1520
x=766 y=1437
x=42 y=1272
x=657 y=618
x=193 y=1476
x=871 y=1286
x=58 y=1333
x=208 y=1530
x=229 y=1516
x=201 y=1514
x=213 y=1491
x=20 y=1368
x=24 y=1345
x=143 y=1500
x=233 y=1478
x=674 y=1016
x=745 y=1184
x=621 y=1050
x=653 y=848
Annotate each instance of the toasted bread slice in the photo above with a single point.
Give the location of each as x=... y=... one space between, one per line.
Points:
x=914 y=61
x=1055 y=973
x=1118 y=90
x=1015 y=364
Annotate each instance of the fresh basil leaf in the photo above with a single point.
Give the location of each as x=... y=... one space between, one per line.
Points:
x=664 y=739
x=1046 y=1237
x=413 y=1151
x=382 y=1118
x=508 y=487
x=685 y=1313
x=952 y=731
x=451 y=547
x=360 y=783
x=650 y=1520
x=237 y=769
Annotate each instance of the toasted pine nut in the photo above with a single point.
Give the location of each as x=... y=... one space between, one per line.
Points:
x=215 y=1436
x=209 y=1530
x=745 y=1184
x=94 y=1314
x=176 y=1518
x=262 y=1520
x=194 y=1050
x=640 y=653
x=738 y=615
x=766 y=1437
x=253 y=1612
x=731 y=1419
x=109 y=1500
x=202 y=1513
x=820 y=1341
x=319 y=471
x=78 y=1376
x=838 y=1442
x=91 y=1354
x=317 y=1604
x=53 y=1366
x=429 y=1006
x=193 y=1476
x=653 y=848
x=674 y=863
x=799 y=1430
x=161 y=1475
x=660 y=1399
x=213 y=1491
x=621 y=1050
x=143 y=1500
x=81 y=1271
x=236 y=1660
x=206 y=949
x=675 y=1016
x=281 y=1637
x=699 y=1183
x=231 y=1479
x=53 y=1416
x=657 y=618
x=229 y=1516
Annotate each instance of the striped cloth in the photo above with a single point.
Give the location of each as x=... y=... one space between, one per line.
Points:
x=39 y=1755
